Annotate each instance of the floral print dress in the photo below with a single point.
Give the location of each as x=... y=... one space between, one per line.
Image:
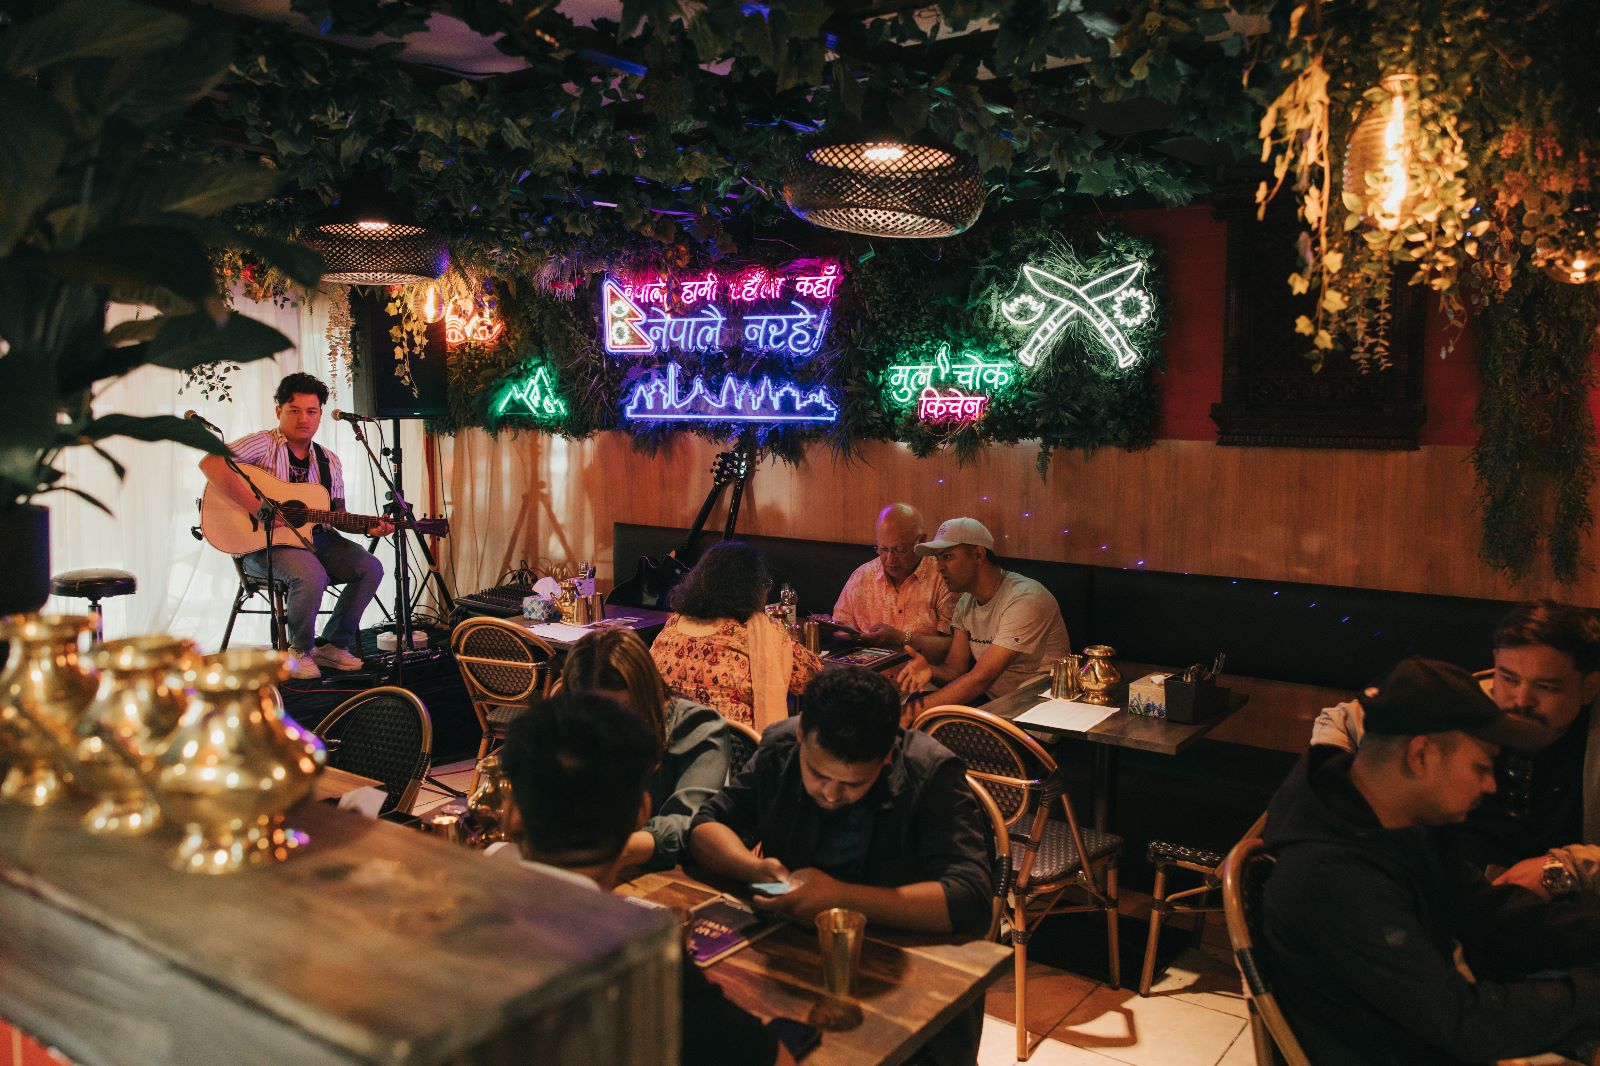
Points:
x=715 y=669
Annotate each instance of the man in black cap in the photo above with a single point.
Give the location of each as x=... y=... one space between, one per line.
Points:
x=1367 y=903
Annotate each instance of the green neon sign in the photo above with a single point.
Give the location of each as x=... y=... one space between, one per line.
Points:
x=531 y=396
x=948 y=388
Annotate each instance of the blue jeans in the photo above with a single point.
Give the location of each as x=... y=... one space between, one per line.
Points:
x=308 y=574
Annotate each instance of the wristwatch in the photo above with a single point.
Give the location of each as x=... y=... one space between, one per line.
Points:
x=1557 y=879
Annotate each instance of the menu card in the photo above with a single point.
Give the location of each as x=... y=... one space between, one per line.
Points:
x=1067 y=715
x=721 y=927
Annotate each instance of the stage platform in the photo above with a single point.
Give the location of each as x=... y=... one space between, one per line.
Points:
x=431 y=675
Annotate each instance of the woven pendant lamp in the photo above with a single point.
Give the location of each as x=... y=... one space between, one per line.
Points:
x=367 y=241
x=885 y=185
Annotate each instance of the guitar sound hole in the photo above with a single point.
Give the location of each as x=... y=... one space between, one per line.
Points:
x=293 y=511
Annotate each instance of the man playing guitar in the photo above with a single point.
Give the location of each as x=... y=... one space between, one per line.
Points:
x=289 y=454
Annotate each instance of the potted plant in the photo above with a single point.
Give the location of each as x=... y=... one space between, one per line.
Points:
x=95 y=208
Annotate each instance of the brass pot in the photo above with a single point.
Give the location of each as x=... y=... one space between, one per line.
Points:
x=1098 y=674
x=486 y=804
x=43 y=692
x=142 y=694
x=233 y=765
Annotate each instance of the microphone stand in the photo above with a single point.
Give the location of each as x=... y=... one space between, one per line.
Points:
x=400 y=511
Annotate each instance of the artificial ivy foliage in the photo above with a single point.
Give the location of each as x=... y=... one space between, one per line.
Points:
x=1535 y=456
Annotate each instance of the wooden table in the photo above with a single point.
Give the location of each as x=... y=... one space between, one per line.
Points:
x=647 y=623
x=333 y=783
x=377 y=945
x=909 y=985
x=1120 y=730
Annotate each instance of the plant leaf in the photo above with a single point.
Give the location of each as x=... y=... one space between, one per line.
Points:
x=82 y=29
x=155 y=428
x=36 y=133
x=188 y=341
x=196 y=191
x=135 y=257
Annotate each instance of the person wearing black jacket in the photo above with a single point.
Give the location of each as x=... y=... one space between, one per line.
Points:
x=1368 y=902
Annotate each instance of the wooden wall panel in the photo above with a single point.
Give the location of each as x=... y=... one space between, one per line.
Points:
x=1395 y=520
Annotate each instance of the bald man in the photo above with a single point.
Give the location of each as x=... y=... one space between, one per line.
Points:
x=899 y=597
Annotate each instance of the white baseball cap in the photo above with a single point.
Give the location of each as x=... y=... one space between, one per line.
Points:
x=955 y=531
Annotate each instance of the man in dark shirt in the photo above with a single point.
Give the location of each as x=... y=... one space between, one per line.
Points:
x=1368 y=901
x=577 y=766
x=852 y=811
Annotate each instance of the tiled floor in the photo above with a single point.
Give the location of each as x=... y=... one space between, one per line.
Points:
x=1194 y=1016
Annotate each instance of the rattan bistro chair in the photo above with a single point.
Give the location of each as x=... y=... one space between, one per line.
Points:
x=503 y=667
x=384 y=733
x=1200 y=900
x=743 y=741
x=1244 y=877
x=1050 y=855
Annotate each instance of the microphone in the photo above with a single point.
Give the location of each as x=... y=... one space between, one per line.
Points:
x=195 y=416
x=346 y=416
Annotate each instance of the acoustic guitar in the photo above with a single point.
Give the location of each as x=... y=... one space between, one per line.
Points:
x=228 y=527
x=653 y=579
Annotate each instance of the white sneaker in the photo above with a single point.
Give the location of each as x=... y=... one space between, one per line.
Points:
x=335 y=658
x=303 y=667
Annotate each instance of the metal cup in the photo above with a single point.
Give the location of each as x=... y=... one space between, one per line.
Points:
x=1066 y=681
x=813 y=634
x=839 y=934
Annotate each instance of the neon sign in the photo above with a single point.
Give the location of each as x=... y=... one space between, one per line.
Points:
x=782 y=311
x=662 y=398
x=473 y=320
x=917 y=383
x=1110 y=302
x=532 y=396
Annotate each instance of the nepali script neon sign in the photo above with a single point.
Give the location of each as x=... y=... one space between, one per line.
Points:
x=969 y=383
x=532 y=396
x=1111 y=303
x=662 y=397
x=785 y=311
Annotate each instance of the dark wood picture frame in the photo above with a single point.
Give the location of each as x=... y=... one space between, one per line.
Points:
x=1271 y=397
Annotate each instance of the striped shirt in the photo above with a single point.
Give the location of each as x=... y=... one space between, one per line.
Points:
x=269 y=450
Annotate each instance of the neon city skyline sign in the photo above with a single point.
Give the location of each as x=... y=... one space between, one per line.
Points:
x=785 y=311
x=531 y=396
x=662 y=397
x=969 y=383
x=1111 y=302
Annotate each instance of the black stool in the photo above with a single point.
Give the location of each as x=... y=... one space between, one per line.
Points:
x=94 y=585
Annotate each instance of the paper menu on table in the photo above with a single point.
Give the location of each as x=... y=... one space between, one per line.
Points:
x=1065 y=714
x=560 y=632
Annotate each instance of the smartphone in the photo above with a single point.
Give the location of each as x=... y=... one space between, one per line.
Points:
x=771 y=888
x=798 y=1037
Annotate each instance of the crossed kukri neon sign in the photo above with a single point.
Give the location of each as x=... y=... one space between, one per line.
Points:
x=1110 y=302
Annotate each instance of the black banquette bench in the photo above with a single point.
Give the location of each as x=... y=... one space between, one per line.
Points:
x=1292 y=647
x=1320 y=635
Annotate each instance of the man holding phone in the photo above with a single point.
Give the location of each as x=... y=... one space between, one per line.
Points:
x=850 y=810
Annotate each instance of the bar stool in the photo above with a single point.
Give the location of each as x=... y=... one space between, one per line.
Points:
x=94 y=585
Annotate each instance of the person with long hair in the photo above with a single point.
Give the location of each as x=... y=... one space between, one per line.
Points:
x=692 y=740
x=720 y=648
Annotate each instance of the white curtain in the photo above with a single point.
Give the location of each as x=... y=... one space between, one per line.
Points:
x=187 y=588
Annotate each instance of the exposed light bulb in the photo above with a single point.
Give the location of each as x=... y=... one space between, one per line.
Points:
x=432 y=305
x=1396 y=182
x=883 y=153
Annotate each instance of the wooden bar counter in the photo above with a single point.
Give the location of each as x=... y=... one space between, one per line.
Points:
x=377 y=944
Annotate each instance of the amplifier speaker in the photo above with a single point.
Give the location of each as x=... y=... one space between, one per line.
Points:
x=377 y=392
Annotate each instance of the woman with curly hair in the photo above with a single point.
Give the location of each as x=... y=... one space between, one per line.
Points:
x=720 y=648
x=693 y=754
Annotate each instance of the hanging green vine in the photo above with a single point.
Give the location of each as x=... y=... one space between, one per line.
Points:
x=1535 y=457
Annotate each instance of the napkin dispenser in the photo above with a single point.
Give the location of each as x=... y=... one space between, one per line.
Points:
x=1191 y=702
x=1147 y=697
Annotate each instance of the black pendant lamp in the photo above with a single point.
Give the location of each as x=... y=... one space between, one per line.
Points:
x=880 y=183
x=366 y=240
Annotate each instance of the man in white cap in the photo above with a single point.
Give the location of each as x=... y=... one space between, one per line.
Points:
x=1006 y=627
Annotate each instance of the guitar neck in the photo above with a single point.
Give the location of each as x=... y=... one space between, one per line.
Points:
x=349 y=522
